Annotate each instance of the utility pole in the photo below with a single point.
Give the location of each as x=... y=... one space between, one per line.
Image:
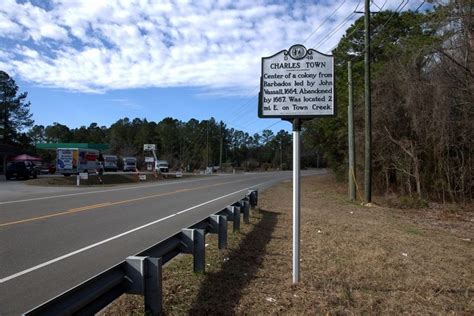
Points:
x=281 y=158
x=368 y=109
x=350 y=127
x=220 y=151
x=207 y=142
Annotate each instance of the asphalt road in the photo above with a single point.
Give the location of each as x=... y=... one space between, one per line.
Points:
x=54 y=238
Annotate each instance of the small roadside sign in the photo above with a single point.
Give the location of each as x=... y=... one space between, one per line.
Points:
x=142 y=177
x=297 y=83
x=149 y=147
x=83 y=175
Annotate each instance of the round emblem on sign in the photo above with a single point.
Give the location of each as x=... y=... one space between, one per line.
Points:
x=297 y=51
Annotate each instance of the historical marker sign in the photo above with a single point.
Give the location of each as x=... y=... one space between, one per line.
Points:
x=297 y=83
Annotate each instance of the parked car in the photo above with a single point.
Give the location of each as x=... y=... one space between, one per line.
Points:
x=129 y=163
x=110 y=162
x=21 y=169
x=163 y=165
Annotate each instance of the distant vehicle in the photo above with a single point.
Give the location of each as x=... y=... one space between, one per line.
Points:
x=74 y=160
x=162 y=165
x=21 y=169
x=129 y=163
x=44 y=168
x=110 y=162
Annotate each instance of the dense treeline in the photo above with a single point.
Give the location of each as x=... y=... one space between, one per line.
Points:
x=422 y=102
x=191 y=145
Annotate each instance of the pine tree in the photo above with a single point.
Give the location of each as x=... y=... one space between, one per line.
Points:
x=14 y=110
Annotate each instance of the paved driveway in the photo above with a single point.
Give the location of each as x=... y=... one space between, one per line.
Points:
x=10 y=190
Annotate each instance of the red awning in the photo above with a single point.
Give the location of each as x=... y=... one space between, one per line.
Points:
x=26 y=157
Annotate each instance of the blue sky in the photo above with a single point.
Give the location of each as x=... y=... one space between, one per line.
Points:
x=84 y=61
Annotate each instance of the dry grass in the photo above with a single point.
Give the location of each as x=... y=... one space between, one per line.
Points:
x=355 y=260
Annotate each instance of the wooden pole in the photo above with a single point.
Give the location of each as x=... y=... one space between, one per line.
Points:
x=350 y=127
x=368 y=109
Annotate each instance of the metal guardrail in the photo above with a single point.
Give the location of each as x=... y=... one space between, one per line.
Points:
x=141 y=274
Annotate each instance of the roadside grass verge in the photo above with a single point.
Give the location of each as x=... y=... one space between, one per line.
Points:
x=108 y=179
x=355 y=260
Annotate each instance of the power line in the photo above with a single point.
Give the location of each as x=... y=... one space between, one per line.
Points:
x=331 y=34
x=380 y=8
x=394 y=13
x=239 y=108
x=374 y=3
x=399 y=8
x=271 y=125
x=243 y=113
x=337 y=28
x=251 y=123
x=422 y=3
x=324 y=21
x=356 y=28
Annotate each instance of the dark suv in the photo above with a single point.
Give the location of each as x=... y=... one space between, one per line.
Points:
x=21 y=169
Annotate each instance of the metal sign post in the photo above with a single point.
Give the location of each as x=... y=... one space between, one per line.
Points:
x=297 y=84
x=296 y=199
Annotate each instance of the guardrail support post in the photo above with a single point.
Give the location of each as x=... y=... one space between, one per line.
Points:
x=193 y=242
x=145 y=275
x=135 y=272
x=236 y=226
x=219 y=226
x=233 y=215
x=229 y=213
x=245 y=204
x=153 y=286
x=253 y=198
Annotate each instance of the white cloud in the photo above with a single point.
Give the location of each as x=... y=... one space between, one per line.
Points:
x=38 y=23
x=8 y=27
x=94 y=45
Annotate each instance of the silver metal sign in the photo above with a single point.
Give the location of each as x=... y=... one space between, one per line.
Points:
x=297 y=83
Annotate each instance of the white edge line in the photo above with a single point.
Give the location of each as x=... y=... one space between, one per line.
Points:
x=44 y=264
x=100 y=191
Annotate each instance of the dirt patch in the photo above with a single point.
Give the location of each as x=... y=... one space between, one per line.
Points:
x=355 y=260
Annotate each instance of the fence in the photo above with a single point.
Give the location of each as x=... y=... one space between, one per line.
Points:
x=141 y=274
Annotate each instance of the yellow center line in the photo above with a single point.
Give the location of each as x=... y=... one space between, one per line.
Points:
x=106 y=204
x=70 y=211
